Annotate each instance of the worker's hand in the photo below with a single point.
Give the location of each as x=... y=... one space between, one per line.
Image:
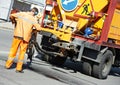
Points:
x=13 y=20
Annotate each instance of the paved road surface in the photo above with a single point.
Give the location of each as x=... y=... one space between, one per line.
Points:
x=41 y=73
x=10 y=77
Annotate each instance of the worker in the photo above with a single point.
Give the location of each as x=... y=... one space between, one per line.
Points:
x=25 y=21
x=14 y=10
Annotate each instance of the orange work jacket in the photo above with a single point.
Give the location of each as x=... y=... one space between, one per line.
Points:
x=24 y=25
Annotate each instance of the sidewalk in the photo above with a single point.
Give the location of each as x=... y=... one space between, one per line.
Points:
x=6 y=25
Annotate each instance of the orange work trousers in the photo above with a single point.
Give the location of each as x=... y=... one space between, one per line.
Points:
x=16 y=44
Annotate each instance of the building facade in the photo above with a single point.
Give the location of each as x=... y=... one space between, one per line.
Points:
x=22 y=5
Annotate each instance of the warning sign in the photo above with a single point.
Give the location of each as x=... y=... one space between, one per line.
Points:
x=85 y=8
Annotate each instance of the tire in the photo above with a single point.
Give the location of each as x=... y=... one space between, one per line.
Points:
x=46 y=58
x=30 y=52
x=102 y=69
x=59 y=61
x=87 y=68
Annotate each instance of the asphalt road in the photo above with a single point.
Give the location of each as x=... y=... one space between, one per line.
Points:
x=10 y=77
x=44 y=73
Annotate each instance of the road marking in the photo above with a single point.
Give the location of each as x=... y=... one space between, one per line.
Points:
x=7 y=29
x=4 y=52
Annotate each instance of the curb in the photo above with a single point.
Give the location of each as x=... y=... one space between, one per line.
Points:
x=6 y=28
x=7 y=25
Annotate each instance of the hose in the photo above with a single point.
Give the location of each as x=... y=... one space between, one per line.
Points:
x=42 y=51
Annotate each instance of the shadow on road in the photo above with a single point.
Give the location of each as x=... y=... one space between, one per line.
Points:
x=60 y=73
x=115 y=71
x=74 y=67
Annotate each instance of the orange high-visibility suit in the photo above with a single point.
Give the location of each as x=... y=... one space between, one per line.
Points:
x=22 y=34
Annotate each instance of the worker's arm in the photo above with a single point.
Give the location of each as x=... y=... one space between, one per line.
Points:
x=37 y=26
x=13 y=16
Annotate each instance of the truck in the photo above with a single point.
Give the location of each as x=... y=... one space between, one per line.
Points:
x=86 y=31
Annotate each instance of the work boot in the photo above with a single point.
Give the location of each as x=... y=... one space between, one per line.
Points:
x=8 y=64
x=19 y=66
x=21 y=71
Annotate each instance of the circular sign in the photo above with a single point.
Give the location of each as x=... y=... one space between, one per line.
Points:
x=69 y=5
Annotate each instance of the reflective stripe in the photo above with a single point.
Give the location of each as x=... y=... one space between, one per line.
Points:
x=10 y=58
x=20 y=61
x=27 y=20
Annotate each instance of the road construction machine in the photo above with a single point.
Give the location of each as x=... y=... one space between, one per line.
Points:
x=86 y=31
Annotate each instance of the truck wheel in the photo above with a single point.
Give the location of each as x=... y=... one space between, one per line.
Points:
x=87 y=69
x=30 y=52
x=102 y=70
x=46 y=58
x=59 y=61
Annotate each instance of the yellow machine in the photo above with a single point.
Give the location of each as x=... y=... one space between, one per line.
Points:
x=83 y=30
x=63 y=21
